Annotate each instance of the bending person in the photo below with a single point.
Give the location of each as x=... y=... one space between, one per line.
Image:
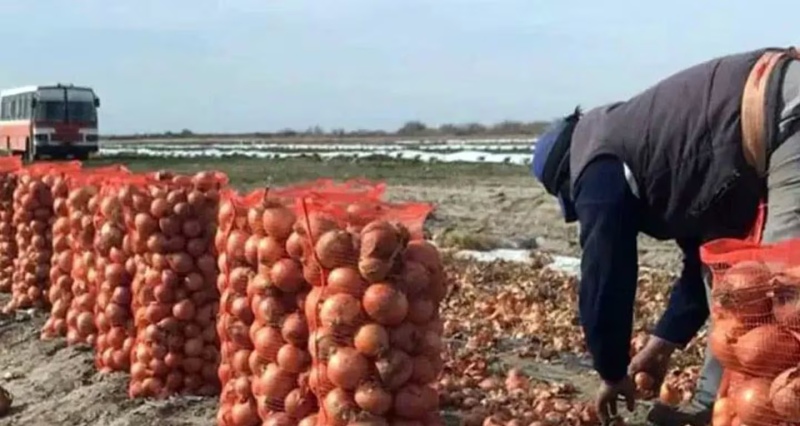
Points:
x=689 y=160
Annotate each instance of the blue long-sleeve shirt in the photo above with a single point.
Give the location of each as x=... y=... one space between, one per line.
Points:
x=607 y=212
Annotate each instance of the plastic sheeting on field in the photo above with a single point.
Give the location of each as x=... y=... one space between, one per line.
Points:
x=567 y=264
x=499 y=151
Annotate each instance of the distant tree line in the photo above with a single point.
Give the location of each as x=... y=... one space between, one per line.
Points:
x=409 y=129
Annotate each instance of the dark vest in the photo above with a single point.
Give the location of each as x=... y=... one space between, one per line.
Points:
x=682 y=141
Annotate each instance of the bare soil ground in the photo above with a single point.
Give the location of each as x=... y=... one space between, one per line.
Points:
x=53 y=384
x=477 y=206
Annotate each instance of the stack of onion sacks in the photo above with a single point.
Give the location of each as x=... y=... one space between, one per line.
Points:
x=8 y=246
x=33 y=220
x=171 y=226
x=375 y=329
x=114 y=271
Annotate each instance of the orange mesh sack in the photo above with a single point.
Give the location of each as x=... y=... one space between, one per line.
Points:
x=263 y=332
x=373 y=311
x=33 y=219
x=171 y=225
x=366 y=188
x=70 y=295
x=756 y=320
x=59 y=293
x=262 y=324
x=114 y=271
x=82 y=204
x=361 y=188
x=411 y=215
x=8 y=246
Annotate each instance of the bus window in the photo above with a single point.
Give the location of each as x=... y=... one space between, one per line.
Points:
x=25 y=106
x=4 y=108
x=14 y=107
x=20 y=101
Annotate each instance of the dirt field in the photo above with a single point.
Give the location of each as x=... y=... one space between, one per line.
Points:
x=477 y=206
x=54 y=384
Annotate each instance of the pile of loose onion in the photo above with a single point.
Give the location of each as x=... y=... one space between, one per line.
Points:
x=8 y=245
x=33 y=215
x=171 y=225
x=114 y=270
x=59 y=293
x=376 y=334
x=488 y=400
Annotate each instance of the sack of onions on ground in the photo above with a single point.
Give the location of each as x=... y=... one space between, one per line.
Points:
x=756 y=331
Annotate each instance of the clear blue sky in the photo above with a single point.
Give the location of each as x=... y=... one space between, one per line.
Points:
x=246 y=65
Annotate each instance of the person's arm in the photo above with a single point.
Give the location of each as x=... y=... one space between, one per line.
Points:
x=608 y=215
x=687 y=309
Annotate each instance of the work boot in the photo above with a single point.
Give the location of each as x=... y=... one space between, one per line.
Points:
x=690 y=413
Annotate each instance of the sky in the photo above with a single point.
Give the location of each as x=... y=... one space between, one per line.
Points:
x=266 y=65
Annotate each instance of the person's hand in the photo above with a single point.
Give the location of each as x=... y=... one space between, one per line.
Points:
x=653 y=359
x=608 y=396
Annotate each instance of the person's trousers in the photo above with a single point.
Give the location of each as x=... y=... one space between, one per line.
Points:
x=783 y=206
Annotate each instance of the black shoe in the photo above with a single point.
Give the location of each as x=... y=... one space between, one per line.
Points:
x=681 y=415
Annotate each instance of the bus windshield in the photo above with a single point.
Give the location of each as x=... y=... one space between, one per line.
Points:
x=59 y=111
x=81 y=111
x=50 y=111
